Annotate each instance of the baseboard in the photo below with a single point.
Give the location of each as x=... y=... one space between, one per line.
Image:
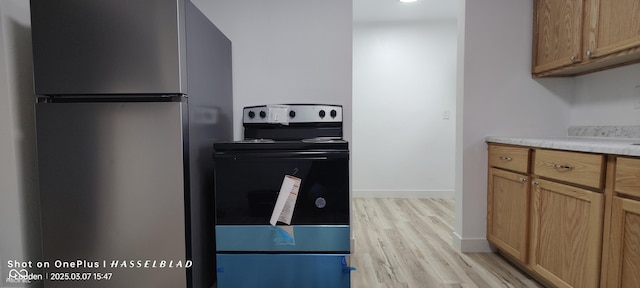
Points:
x=370 y=193
x=471 y=245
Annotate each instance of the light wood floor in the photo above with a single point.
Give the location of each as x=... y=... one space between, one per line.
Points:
x=407 y=243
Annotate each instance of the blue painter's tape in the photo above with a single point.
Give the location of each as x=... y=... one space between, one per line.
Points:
x=282 y=237
x=345 y=268
x=307 y=238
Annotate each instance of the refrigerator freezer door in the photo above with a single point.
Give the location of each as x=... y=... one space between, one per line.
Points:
x=86 y=47
x=112 y=191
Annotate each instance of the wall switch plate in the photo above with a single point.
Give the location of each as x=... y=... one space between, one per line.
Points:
x=636 y=97
x=445 y=114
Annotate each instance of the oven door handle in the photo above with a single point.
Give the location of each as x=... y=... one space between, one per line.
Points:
x=298 y=155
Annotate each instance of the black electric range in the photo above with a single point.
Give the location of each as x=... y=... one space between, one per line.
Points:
x=301 y=141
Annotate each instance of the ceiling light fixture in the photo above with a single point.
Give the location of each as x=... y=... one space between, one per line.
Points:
x=407 y=1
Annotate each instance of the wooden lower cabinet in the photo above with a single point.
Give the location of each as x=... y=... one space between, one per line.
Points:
x=624 y=244
x=566 y=234
x=507 y=212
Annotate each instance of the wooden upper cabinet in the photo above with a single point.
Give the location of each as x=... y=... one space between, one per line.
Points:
x=557 y=34
x=614 y=26
x=574 y=37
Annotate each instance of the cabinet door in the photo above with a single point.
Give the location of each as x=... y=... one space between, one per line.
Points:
x=614 y=25
x=557 y=34
x=624 y=255
x=507 y=210
x=566 y=234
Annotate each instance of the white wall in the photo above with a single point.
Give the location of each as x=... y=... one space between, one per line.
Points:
x=497 y=96
x=287 y=51
x=404 y=79
x=606 y=98
x=19 y=204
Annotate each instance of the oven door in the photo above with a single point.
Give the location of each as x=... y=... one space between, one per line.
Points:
x=247 y=185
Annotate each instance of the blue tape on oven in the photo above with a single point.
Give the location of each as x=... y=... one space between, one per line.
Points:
x=282 y=237
x=346 y=269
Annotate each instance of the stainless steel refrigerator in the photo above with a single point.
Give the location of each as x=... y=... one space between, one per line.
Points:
x=131 y=95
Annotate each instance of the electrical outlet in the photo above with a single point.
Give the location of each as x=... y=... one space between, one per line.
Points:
x=445 y=114
x=636 y=97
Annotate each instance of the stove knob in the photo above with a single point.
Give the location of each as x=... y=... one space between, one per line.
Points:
x=252 y=114
x=321 y=113
x=334 y=113
x=263 y=114
x=292 y=114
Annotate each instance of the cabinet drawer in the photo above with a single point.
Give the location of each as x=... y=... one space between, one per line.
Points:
x=628 y=176
x=509 y=157
x=574 y=167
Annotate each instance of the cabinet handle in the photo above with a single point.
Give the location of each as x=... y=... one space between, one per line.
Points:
x=534 y=183
x=574 y=58
x=506 y=158
x=559 y=166
x=589 y=53
x=522 y=180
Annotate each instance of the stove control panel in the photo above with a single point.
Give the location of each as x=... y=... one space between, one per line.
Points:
x=293 y=113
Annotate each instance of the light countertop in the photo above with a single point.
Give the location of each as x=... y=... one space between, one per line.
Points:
x=605 y=145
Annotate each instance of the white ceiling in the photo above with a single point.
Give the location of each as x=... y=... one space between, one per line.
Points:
x=393 y=10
